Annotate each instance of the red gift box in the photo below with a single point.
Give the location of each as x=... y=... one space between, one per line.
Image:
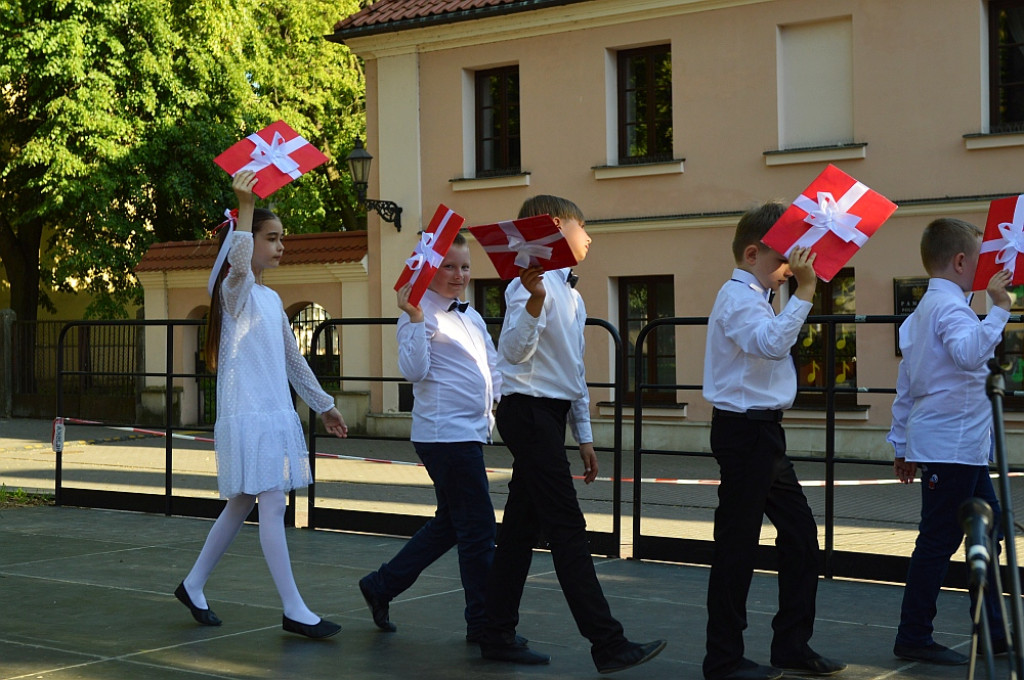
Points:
x=1003 y=243
x=517 y=244
x=277 y=154
x=434 y=243
x=833 y=217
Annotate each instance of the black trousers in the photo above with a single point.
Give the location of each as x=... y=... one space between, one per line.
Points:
x=542 y=501
x=758 y=479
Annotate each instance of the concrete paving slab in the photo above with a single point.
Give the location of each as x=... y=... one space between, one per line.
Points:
x=87 y=595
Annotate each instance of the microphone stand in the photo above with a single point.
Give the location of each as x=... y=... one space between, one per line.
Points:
x=982 y=634
x=995 y=388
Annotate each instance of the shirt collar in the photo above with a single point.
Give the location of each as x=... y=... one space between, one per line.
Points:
x=743 y=276
x=946 y=286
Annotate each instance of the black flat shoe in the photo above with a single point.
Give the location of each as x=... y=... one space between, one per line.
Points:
x=204 y=617
x=379 y=608
x=317 y=631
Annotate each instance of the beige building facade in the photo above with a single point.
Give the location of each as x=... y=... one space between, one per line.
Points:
x=759 y=96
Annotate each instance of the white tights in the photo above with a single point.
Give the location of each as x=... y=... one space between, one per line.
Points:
x=272 y=541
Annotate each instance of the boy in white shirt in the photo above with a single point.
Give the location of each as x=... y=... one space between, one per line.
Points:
x=544 y=386
x=444 y=350
x=749 y=378
x=942 y=424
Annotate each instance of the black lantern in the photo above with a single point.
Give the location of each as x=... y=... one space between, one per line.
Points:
x=359 y=166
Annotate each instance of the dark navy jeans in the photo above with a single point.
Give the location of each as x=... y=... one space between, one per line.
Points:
x=464 y=517
x=944 y=486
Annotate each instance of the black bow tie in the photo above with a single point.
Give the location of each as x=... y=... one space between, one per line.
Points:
x=571 y=279
x=458 y=306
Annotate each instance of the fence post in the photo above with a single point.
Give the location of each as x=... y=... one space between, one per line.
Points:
x=7 y=317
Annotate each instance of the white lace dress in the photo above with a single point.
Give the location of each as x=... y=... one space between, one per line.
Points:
x=259 y=440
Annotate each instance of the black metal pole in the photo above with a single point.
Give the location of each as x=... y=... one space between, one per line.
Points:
x=995 y=387
x=168 y=410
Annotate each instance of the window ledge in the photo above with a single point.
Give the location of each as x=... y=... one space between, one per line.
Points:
x=816 y=154
x=654 y=411
x=993 y=140
x=846 y=414
x=673 y=167
x=521 y=179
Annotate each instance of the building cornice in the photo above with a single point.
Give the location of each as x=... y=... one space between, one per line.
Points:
x=286 y=275
x=921 y=207
x=526 y=24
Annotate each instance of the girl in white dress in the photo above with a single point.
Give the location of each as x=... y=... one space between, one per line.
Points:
x=261 y=450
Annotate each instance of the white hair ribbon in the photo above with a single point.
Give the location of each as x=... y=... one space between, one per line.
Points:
x=223 y=253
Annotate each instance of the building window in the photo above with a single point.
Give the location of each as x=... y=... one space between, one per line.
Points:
x=838 y=296
x=1006 y=65
x=1010 y=353
x=645 y=104
x=815 y=84
x=497 y=122
x=489 y=301
x=643 y=299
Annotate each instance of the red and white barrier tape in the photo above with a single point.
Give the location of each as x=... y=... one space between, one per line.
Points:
x=58 y=430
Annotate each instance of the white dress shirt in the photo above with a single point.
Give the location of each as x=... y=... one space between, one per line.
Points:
x=543 y=356
x=451 y=362
x=941 y=413
x=747 y=361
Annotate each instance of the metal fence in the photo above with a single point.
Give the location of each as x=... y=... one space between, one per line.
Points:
x=650 y=543
x=648 y=540
x=104 y=357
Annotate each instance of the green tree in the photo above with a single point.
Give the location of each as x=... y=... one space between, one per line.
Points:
x=111 y=113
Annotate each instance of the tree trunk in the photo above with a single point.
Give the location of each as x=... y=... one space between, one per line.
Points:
x=20 y=255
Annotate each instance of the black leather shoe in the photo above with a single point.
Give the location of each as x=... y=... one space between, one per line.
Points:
x=999 y=648
x=205 y=617
x=322 y=629
x=815 y=666
x=477 y=638
x=748 y=670
x=378 y=607
x=627 y=656
x=514 y=653
x=933 y=653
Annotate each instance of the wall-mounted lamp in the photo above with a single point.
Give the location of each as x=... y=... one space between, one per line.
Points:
x=359 y=165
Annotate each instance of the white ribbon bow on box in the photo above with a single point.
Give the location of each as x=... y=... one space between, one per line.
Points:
x=525 y=250
x=1011 y=244
x=829 y=215
x=275 y=153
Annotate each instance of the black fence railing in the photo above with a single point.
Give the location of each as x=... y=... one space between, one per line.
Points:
x=835 y=562
x=604 y=543
x=104 y=357
x=833 y=397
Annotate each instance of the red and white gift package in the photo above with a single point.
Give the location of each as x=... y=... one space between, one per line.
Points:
x=433 y=245
x=516 y=244
x=277 y=154
x=833 y=217
x=1003 y=244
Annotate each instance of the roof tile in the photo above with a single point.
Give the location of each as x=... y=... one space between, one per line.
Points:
x=390 y=11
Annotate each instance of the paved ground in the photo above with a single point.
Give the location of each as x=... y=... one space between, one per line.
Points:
x=87 y=593
x=87 y=596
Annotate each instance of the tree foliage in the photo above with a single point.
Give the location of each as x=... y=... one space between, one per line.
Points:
x=111 y=112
